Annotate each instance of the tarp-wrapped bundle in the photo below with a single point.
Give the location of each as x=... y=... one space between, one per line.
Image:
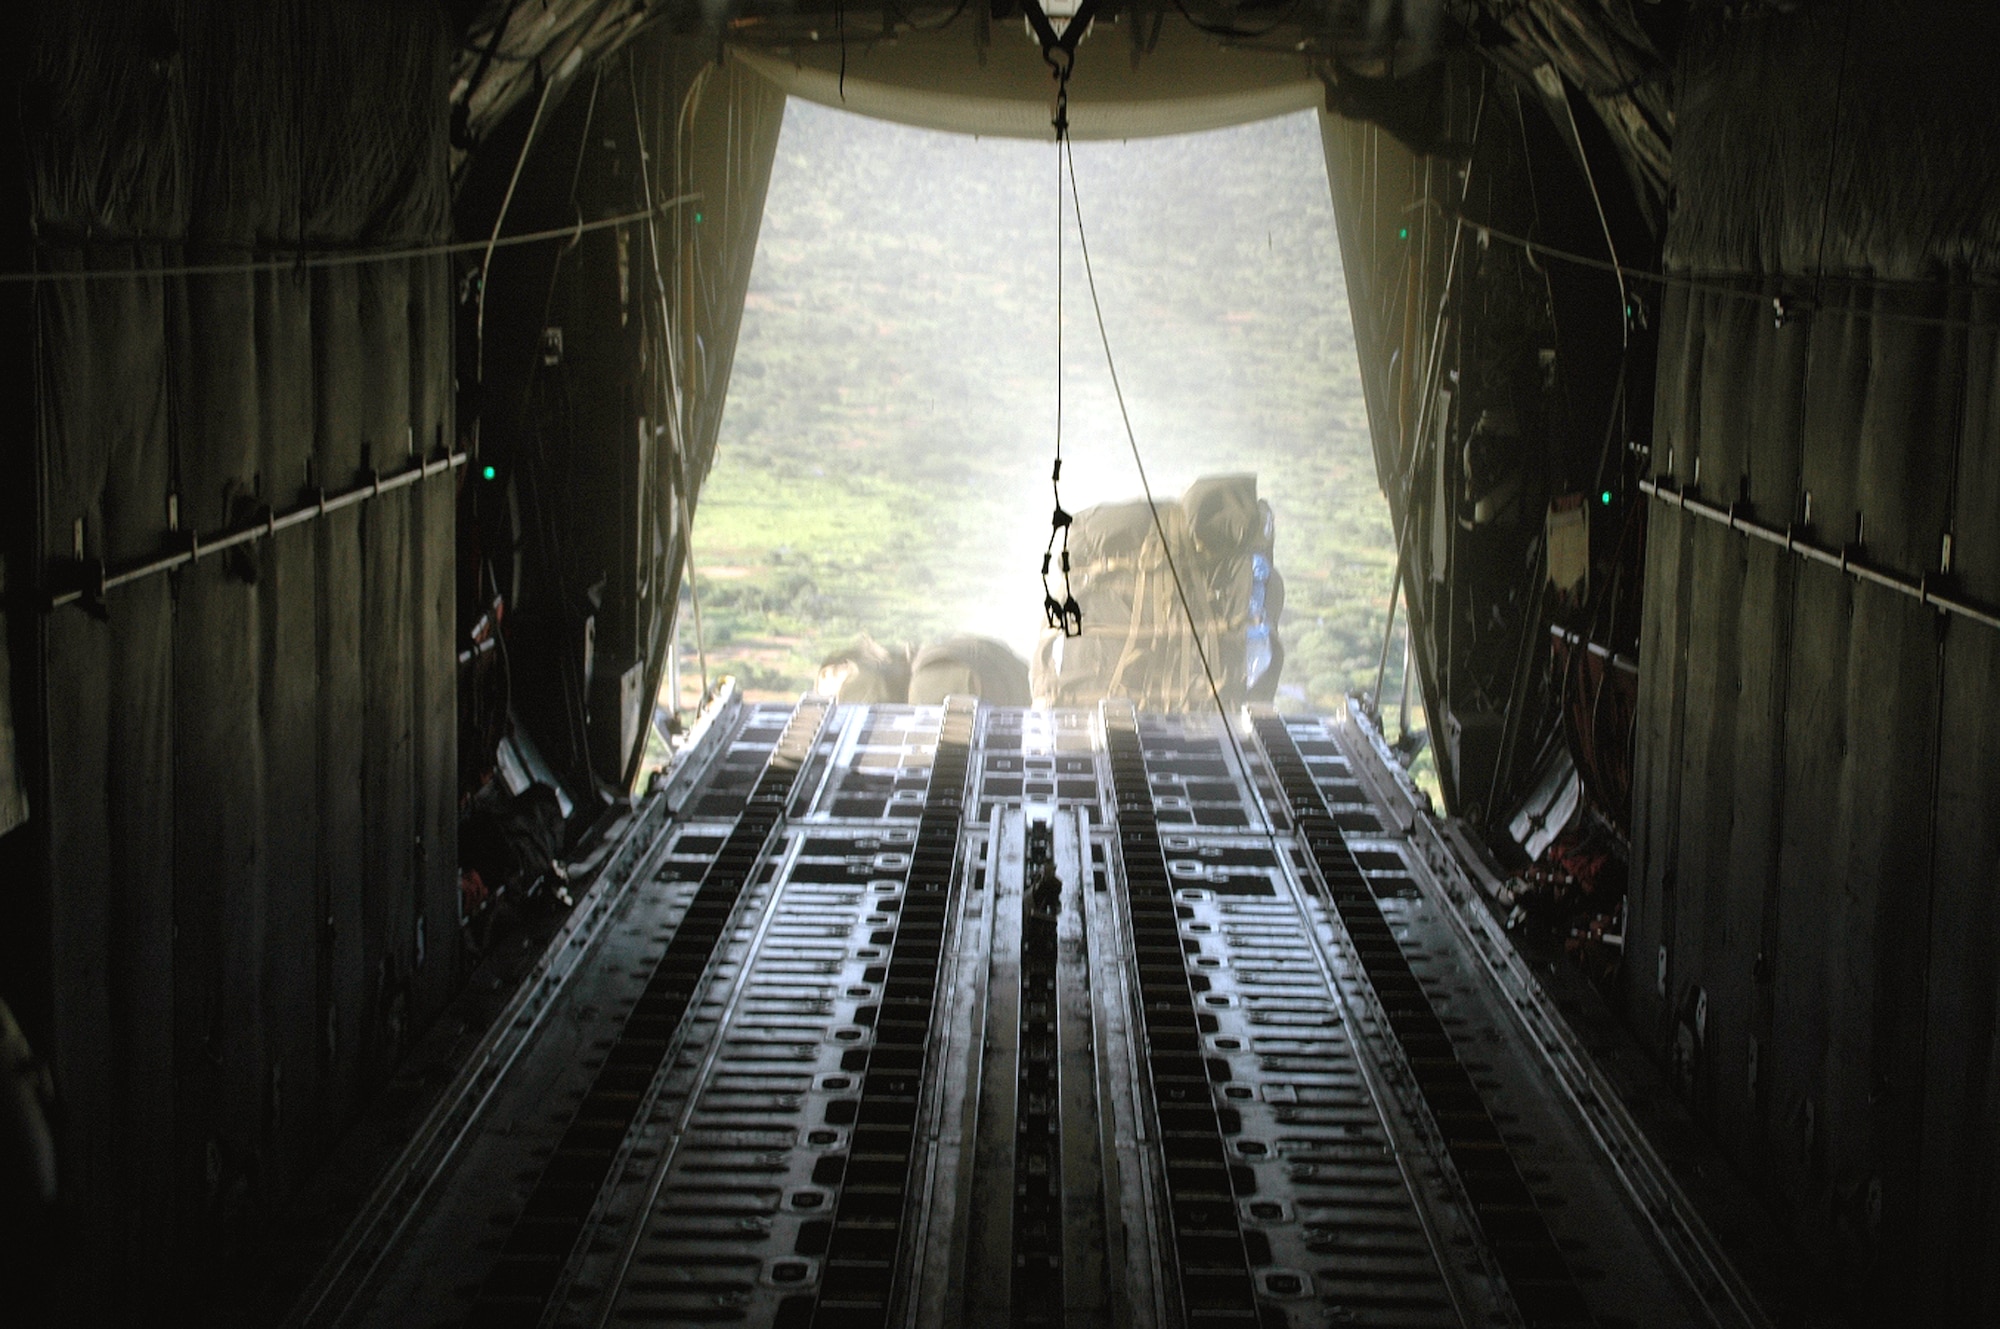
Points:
x=1136 y=641
x=866 y=672
x=970 y=666
x=964 y=665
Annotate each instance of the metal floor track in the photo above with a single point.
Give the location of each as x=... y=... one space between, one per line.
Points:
x=911 y=1016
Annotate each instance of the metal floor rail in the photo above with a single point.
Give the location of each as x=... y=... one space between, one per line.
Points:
x=545 y=1231
x=899 y=1016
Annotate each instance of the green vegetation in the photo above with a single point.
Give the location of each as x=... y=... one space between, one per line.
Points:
x=884 y=458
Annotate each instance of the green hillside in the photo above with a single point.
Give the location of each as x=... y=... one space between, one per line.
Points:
x=884 y=456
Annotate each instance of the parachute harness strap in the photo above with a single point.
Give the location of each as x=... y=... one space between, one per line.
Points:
x=1065 y=614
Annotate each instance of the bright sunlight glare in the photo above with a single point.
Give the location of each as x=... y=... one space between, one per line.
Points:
x=884 y=455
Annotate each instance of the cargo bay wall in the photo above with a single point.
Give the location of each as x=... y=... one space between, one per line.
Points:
x=1813 y=930
x=235 y=899
x=229 y=807
x=233 y=881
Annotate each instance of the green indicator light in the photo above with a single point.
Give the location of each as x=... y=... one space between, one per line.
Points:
x=697 y=219
x=1605 y=498
x=1402 y=234
x=489 y=473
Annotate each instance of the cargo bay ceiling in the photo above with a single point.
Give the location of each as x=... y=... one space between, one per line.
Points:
x=375 y=357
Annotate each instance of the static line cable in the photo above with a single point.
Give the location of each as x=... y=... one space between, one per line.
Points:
x=1145 y=485
x=1279 y=858
x=1785 y=309
x=1064 y=614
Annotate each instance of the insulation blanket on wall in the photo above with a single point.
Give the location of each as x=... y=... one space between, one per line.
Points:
x=13 y=794
x=1815 y=919
x=250 y=825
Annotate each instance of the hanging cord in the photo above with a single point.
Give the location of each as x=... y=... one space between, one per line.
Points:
x=1403 y=707
x=1617 y=267
x=669 y=382
x=1065 y=613
x=694 y=595
x=1059 y=53
x=1433 y=369
x=1627 y=311
x=493 y=241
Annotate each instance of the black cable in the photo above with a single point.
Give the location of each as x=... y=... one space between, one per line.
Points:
x=915 y=26
x=485 y=270
x=1242 y=34
x=1064 y=614
x=840 y=34
x=575 y=180
x=548 y=303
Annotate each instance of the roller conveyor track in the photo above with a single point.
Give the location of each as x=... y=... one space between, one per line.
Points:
x=1207 y=1236
x=1513 y=1227
x=859 y=1278
x=906 y=1016
x=546 y=1230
